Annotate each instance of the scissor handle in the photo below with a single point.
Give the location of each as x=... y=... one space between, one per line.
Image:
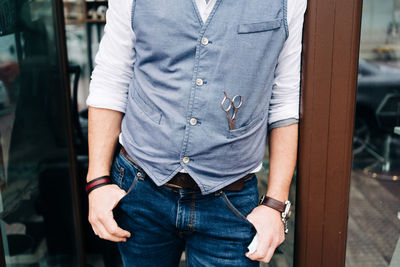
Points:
x=223 y=103
x=240 y=102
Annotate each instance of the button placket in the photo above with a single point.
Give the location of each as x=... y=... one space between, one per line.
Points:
x=204 y=41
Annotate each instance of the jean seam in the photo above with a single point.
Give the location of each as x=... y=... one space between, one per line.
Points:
x=121 y=171
x=232 y=207
x=122 y=174
x=134 y=182
x=192 y=212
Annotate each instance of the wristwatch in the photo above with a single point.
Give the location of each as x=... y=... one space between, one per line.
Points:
x=283 y=208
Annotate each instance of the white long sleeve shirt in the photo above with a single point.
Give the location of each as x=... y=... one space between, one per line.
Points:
x=116 y=56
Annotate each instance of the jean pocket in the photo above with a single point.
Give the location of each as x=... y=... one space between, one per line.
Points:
x=125 y=174
x=132 y=185
x=238 y=212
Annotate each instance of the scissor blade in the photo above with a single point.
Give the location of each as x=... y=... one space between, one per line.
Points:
x=232 y=125
x=230 y=121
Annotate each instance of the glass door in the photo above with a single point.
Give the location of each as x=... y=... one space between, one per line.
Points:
x=36 y=213
x=373 y=237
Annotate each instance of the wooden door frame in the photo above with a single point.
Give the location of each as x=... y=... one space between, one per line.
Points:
x=329 y=81
x=61 y=44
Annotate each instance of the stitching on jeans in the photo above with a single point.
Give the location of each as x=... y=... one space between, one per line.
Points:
x=192 y=209
x=120 y=176
x=232 y=207
x=177 y=213
x=132 y=185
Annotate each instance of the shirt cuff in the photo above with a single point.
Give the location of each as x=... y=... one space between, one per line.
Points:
x=281 y=123
x=108 y=101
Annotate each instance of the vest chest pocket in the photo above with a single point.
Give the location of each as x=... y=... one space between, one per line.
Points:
x=259 y=26
x=146 y=106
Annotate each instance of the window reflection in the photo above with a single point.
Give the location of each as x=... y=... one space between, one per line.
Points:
x=36 y=218
x=374 y=212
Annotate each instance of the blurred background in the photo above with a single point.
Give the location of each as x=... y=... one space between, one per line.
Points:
x=374 y=211
x=47 y=51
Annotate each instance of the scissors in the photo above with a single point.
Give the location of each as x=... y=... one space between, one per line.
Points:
x=227 y=104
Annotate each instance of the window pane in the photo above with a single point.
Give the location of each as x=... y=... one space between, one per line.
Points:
x=36 y=218
x=374 y=212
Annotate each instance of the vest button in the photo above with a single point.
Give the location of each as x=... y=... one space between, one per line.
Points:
x=193 y=121
x=204 y=41
x=199 y=82
x=186 y=160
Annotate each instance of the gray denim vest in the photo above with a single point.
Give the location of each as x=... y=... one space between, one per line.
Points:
x=183 y=66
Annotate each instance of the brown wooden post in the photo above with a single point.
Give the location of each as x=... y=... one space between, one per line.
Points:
x=330 y=60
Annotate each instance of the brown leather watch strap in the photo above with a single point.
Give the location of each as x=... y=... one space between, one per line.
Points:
x=273 y=203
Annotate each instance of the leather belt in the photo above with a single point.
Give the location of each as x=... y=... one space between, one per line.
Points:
x=185 y=181
x=123 y=151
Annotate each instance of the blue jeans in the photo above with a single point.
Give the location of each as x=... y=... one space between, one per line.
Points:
x=164 y=221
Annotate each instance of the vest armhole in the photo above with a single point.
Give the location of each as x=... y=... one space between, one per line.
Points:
x=133 y=14
x=285 y=18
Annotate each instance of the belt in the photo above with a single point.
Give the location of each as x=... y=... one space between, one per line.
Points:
x=183 y=180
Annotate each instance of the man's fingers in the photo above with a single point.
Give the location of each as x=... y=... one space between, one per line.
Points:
x=104 y=234
x=262 y=248
x=95 y=225
x=122 y=193
x=98 y=229
x=270 y=253
x=106 y=228
x=265 y=250
x=112 y=227
x=256 y=256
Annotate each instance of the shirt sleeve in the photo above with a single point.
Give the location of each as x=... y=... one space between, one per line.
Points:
x=114 y=60
x=285 y=98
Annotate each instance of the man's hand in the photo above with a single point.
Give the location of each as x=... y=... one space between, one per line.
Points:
x=270 y=229
x=102 y=201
